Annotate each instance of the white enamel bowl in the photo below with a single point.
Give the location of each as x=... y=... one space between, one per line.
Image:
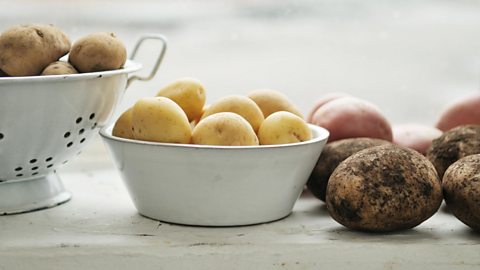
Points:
x=44 y=122
x=214 y=185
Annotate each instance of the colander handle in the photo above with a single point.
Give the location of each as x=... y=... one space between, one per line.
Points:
x=157 y=63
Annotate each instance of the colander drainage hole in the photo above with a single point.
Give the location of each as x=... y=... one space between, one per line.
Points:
x=35 y=173
x=33 y=160
x=67 y=134
x=94 y=125
x=65 y=162
x=79 y=119
x=35 y=168
x=81 y=131
x=48 y=159
x=19 y=175
x=92 y=116
x=82 y=140
x=18 y=169
x=49 y=165
x=1 y=136
x=69 y=144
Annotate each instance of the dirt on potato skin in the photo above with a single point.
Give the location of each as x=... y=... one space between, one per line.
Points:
x=461 y=190
x=332 y=154
x=383 y=188
x=453 y=145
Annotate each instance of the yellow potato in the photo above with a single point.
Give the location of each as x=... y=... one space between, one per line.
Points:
x=59 y=68
x=188 y=93
x=123 y=125
x=224 y=128
x=283 y=128
x=240 y=105
x=159 y=119
x=271 y=101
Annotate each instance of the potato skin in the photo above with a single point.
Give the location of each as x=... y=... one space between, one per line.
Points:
x=240 y=105
x=383 y=188
x=349 y=117
x=415 y=136
x=25 y=50
x=332 y=154
x=159 y=119
x=283 y=128
x=322 y=101
x=123 y=126
x=59 y=68
x=461 y=189
x=225 y=128
x=462 y=112
x=271 y=101
x=453 y=145
x=98 y=52
x=189 y=94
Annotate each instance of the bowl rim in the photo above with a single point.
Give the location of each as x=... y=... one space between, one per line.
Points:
x=323 y=134
x=129 y=67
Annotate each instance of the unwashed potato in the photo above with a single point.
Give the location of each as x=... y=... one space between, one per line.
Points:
x=59 y=68
x=189 y=94
x=270 y=101
x=332 y=154
x=462 y=112
x=123 y=126
x=322 y=101
x=98 y=52
x=415 y=136
x=349 y=117
x=159 y=119
x=240 y=105
x=383 y=188
x=25 y=50
x=453 y=145
x=225 y=128
x=461 y=188
x=282 y=128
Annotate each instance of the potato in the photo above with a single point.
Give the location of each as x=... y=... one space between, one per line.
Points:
x=282 y=128
x=332 y=154
x=415 y=136
x=453 y=145
x=3 y=74
x=350 y=117
x=383 y=188
x=270 y=101
x=123 y=126
x=461 y=188
x=225 y=128
x=159 y=119
x=189 y=94
x=240 y=105
x=462 y=112
x=59 y=68
x=322 y=101
x=25 y=50
x=98 y=52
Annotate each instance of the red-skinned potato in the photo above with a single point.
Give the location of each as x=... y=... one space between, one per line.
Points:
x=415 y=136
x=322 y=101
x=462 y=112
x=350 y=117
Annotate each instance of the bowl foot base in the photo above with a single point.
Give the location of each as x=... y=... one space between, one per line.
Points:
x=32 y=195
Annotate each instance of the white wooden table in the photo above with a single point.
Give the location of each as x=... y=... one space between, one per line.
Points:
x=100 y=229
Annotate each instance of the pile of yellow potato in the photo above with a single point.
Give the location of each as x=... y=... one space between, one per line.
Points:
x=178 y=115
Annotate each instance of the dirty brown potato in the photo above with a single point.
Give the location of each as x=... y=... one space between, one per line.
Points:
x=461 y=189
x=59 y=68
x=383 y=188
x=98 y=52
x=332 y=154
x=25 y=50
x=453 y=145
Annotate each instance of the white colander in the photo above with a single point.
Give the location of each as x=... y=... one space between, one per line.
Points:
x=46 y=120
